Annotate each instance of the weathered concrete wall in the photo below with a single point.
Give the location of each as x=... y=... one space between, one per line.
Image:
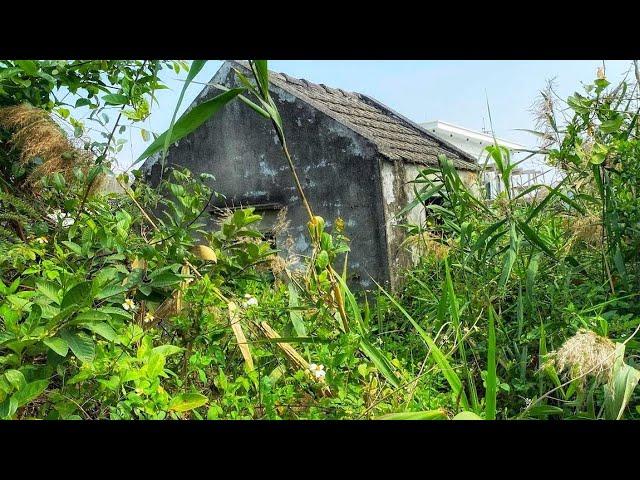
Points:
x=398 y=192
x=337 y=169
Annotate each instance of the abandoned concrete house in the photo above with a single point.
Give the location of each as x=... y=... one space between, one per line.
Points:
x=354 y=157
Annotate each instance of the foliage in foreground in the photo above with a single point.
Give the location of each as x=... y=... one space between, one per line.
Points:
x=141 y=306
x=505 y=283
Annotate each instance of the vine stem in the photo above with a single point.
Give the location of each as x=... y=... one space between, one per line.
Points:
x=109 y=140
x=295 y=175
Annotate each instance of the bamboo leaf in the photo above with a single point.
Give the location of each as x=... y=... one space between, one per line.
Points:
x=535 y=239
x=190 y=121
x=195 y=68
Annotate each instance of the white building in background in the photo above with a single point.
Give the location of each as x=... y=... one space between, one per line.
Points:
x=533 y=170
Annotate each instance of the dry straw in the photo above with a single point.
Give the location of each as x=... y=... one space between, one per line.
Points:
x=36 y=135
x=586 y=354
x=424 y=243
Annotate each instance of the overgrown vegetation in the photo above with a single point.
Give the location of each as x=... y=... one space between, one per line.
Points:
x=136 y=306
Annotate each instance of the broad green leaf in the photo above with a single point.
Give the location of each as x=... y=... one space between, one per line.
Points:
x=103 y=329
x=115 y=99
x=167 y=350
x=81 y=345
x=467 y=416
x=29 y=66
x=621 y=386
x=612 y=125
x=15 y=378
x=424 y=415
x=78 y=296
x=49 y=290
x=322 y=260
x=8 y=407
x=111 y=291
x=57 y=344
x=155 y=364
x=90 y=316
x=30 y=392
x=187 y=401
x=165 y=279
x=74 y=247
x=599 y=154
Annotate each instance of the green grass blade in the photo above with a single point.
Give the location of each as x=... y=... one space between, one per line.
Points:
x=438 y=356
x=196 y=67
x=374 y=354
x=380 y=361
x=492 y=379
x=190 y=121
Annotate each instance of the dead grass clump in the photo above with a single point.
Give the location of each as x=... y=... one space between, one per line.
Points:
x=425 y=244
x=222 y=215
x=37 y=135
x=281 y=224
x=586 y=228
x=586 y=354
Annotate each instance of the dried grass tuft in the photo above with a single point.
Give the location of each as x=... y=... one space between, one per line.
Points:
x=585 y=354
x=425 y=244
x=281 y=224
x=586 y=228
x=37 y=135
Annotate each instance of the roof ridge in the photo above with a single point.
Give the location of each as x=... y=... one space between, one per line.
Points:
x=313 y=93
x=419 y=127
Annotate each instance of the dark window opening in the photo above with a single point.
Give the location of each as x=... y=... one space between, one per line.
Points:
x=428 y=212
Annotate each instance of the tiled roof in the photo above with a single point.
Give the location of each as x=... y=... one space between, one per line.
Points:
x=395 y=136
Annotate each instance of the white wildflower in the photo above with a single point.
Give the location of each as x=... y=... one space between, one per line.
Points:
x=42 y=240
x=317 y=371
x=129 y=304
x=59 y=216
x=148 y=318
x=250 y=302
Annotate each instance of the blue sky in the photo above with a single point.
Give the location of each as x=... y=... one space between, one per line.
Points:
x=453 y=90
